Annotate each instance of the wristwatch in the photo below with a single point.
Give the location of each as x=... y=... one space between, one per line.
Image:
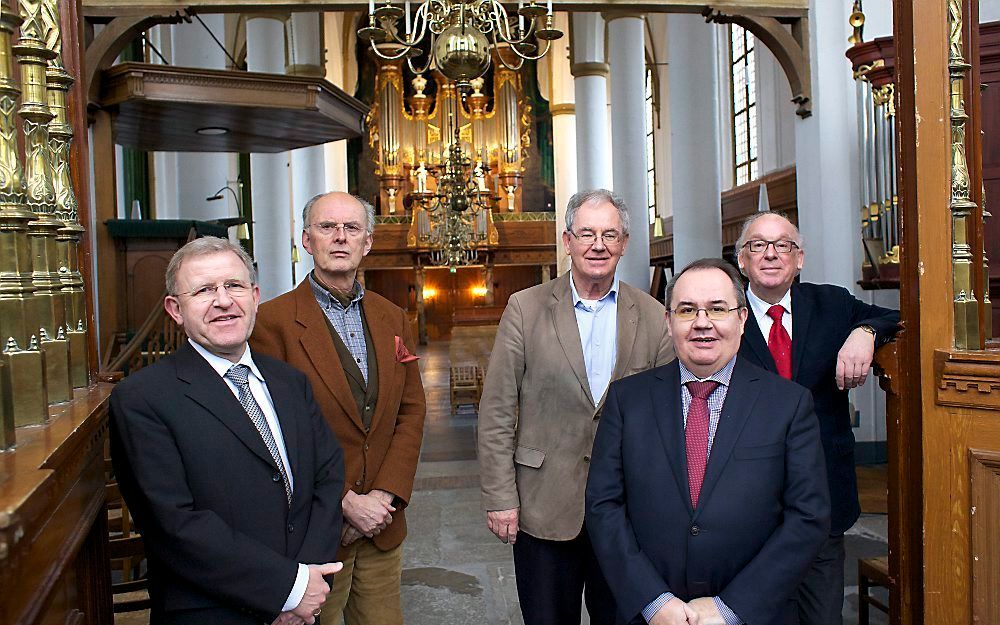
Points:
x=868 y=329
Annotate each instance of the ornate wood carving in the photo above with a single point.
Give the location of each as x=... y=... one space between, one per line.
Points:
x=968 y=379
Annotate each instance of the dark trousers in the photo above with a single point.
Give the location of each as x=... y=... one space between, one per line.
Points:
x=821 y=594
x=553 y=574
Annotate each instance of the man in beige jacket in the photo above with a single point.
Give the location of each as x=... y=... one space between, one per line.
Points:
x=558 y=347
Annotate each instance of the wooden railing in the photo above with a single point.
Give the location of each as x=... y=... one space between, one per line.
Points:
x=157 y=337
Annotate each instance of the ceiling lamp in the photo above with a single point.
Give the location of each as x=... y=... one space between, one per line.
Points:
x=461 y=32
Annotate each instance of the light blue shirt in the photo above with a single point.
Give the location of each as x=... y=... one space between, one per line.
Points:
x=598 y=325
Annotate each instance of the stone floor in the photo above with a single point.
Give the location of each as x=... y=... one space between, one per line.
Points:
x=454 y=571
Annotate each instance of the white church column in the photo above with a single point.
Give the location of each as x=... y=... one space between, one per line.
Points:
x=590 y=71
x=694 y=128
x=825 y=148
x=627 y=57
x=272 y=208
x=335 y=152
x=308 y=165
x=564 y=156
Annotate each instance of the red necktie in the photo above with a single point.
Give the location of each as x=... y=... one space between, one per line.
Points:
x=696 y=435
x=780 y=343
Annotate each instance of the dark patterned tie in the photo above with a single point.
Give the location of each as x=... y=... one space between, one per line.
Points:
x=696 y=435
x=780 y=343
x=238 y=375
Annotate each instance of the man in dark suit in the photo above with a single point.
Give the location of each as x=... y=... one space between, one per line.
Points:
x=225 y=461
x=824 y=339
x=707 y=497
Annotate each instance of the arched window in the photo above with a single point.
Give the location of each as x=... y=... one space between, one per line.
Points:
x=650 y=150
x=744 y=90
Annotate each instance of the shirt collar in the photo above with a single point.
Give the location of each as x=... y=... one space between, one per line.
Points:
x=722 y=376
x=321 y=292
x=760 y=307
x=222 y=365
x=610 y=296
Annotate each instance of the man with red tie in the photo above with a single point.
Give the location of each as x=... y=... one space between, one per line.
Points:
x=824 y=338
x=707 y=497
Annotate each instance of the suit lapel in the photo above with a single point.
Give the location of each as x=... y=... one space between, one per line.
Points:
x=207 y=389
x=286 y=409
x=318 y=346
x=801 y=316
x=740 y=399
x=669 y=416
x=758 y=345
x=568 y=332
x=384 y=343
x=628 y=317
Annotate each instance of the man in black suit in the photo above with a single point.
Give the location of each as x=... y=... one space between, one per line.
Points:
x=824 y=339
x=231 y=473
x=707 y=498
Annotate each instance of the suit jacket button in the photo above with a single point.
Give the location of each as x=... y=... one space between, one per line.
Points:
x=291 y=528
x=358 y=483
x=586 y=458
x=695 y=530
x=276 y=477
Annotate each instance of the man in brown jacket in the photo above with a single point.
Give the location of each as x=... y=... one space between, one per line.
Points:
x=355 y=347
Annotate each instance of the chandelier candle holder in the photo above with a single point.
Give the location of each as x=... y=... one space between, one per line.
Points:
x=455 y=220
x=462 y=34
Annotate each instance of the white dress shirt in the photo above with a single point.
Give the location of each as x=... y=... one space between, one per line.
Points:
x=258 y=388
x=759 y=309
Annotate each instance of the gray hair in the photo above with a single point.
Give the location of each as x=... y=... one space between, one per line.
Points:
x=369 y=210
x=711 y=263
x=596 y=195
x=749 y=221
x=203 y=247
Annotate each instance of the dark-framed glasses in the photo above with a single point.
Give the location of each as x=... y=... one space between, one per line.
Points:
x=329 y=228
x=781 y=246
x=207 y=292
x=714 y=313
x=589 y=237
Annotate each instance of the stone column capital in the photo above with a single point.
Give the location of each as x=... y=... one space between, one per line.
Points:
x=590 y=69
x=614 y=15
x=568 y=108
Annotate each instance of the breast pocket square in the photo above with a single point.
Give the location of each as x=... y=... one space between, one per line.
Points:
x=403 y=354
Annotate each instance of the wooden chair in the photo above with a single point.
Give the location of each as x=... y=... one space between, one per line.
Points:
x=871 y=572
x=466 y=385
x=125 y=551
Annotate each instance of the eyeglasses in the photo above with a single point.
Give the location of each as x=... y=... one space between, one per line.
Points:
x=329 y=228
x=690 y=313
x=588 y=237
x=782 y=246
x=208 y=292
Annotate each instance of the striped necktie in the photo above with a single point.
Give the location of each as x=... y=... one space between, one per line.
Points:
x=239 y=375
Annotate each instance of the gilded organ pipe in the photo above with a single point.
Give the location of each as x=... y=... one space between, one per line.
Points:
x=33 y=57
x=966 y=308
x=22 y=379
x=71 y=232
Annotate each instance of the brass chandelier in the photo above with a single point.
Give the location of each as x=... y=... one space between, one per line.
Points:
x=461 y=32
x=455 y=219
